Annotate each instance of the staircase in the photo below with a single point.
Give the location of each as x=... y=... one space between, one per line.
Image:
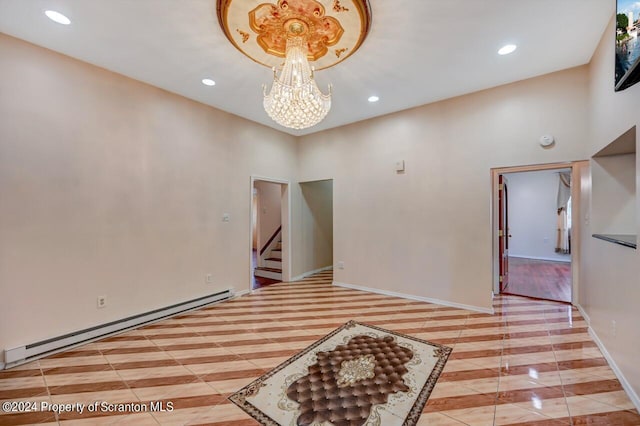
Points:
x=272 y=263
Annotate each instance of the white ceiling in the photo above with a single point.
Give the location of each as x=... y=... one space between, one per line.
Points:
x=417 y=52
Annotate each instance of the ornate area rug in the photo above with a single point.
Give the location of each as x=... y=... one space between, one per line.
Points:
x=356 y=375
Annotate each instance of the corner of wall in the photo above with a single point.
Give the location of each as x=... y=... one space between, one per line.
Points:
x=480 y=309
x=633 y=396
x=584 y=314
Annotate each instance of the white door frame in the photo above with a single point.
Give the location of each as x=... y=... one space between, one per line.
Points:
x=575 y=219
x=285 y=219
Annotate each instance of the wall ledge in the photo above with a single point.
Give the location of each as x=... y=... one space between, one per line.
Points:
x=418 y=298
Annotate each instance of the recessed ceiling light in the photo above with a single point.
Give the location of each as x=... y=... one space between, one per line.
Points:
x=509 y=48
x=373 y=99
x=57 y=17
x=208 y=82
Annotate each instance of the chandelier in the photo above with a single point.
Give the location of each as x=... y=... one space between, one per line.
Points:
x=294 y=100
x=324 y=32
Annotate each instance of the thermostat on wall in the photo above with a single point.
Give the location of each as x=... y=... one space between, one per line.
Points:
x=546 y=140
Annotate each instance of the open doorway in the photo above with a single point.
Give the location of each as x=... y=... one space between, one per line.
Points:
x=269 y=232
x=315 y=238
x=534 y=229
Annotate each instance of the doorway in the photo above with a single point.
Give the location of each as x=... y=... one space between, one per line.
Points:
x=269 y=260
x=315 y=238
x=535 y=231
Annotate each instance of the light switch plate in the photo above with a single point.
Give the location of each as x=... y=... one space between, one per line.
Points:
x=400 y=166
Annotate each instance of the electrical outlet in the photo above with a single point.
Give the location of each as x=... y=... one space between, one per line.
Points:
x=209 y=278
x=613 y=328
x=226 y=217
x=102 y=302
x=340 y=264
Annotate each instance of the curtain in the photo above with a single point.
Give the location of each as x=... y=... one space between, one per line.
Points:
x=563 y=243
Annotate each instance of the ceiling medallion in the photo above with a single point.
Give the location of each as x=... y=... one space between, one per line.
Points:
x=298 y=31
x=275 y=24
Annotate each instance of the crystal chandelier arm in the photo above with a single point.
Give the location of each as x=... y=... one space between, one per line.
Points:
x=294 y=100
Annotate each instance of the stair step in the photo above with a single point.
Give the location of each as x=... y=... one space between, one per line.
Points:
x=273 y=262
x=272 y=273
x=262 y=268
x=277 y=254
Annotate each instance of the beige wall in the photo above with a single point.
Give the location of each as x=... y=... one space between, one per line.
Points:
x=533 y=216
x=112 y=187
x=269 y=210
x=254 y=221
x=610 y=289
x=316 y=226
x=427 y=232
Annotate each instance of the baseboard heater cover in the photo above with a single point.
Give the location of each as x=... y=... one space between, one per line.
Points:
x=22 y=354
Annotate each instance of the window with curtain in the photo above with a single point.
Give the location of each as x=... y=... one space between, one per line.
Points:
x=563 y=243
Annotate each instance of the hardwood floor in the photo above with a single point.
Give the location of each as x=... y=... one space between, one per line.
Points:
x=260 y=282
x=531 y=363
x=541 y=279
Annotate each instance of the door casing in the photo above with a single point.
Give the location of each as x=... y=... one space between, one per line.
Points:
x=285 y=209
x=576 y=175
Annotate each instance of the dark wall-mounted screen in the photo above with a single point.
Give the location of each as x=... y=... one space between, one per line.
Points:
x=627 y=43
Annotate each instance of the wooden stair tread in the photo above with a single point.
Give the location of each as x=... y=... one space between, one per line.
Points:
x=275 y=259
x=261 y=268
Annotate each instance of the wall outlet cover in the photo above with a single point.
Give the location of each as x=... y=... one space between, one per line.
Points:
x=102 y=302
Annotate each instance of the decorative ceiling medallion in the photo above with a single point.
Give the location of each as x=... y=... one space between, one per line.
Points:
x=340 y=51
x=339 y=25
x=245 y=36
x=275 y=24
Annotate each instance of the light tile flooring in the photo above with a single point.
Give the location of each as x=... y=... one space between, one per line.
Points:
x=531 y=363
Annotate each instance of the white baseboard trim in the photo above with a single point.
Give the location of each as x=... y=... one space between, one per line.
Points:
x=418 y=298
x=1 y=366
x=241 y=293
x=315 y=271
x=36 y=350
x=541 y=258
x=633 y=396
x=583 y=313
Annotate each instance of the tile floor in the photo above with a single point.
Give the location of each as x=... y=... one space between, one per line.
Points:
x=531 y=363
x=394 y=373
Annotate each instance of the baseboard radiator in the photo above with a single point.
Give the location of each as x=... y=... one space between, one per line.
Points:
x=22 y=354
